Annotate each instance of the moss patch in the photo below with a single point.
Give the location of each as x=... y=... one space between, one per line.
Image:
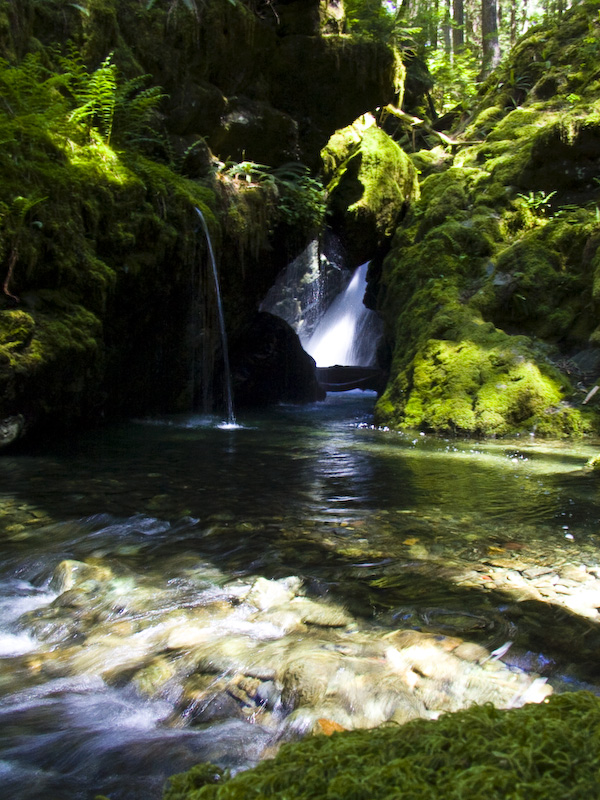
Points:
x=531 y=753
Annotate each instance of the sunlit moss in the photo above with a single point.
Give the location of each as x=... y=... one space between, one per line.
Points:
x=372 y=180
x=531 y=753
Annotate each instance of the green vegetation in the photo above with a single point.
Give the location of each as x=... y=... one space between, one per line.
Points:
x=489 y=286
x=531 y=753
x=76 y=217
x=300 y=198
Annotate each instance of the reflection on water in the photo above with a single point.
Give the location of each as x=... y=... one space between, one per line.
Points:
x=492 y=542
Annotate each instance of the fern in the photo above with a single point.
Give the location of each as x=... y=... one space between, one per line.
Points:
x=97 y=96
x=301 y=198
x=136 y=110
x=106 y=104
x=26 y=88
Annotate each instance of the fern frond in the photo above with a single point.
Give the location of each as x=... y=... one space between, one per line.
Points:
x=97 y=97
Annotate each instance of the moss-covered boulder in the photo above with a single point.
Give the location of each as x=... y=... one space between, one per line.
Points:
x=370 y=182
x=538 y=751
x=488 y=291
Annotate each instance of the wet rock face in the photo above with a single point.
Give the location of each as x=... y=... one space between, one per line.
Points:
x=270 y=366
x=249 y=128
x=11 y=429
x=309 y=284
x=308 y=17
x=565 y=160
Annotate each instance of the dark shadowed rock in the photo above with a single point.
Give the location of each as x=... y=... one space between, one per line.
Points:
x=270 y=366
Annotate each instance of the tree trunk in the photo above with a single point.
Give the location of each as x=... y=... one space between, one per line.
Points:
x=489 y=36
x=458 y=29
x=513 y=22
x=403 y=10
x=433 y=29
x=447 y=28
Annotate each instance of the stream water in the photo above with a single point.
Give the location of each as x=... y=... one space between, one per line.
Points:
x=122 y=542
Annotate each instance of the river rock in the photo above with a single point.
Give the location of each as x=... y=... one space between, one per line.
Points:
x=11 y=429
x=305 y=680
x=266 y=594
x=471 y=651
x=323 y=614
x=285 y=619
x=151 y=679
x=70 y=573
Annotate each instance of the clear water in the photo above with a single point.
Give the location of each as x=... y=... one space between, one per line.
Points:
x=391 y=525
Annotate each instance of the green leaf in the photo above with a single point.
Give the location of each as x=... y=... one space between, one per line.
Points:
x=80 y=8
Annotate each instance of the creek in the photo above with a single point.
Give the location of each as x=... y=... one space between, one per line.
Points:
x=138 y=634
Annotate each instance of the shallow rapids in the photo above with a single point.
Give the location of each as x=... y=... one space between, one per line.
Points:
x=172 y=592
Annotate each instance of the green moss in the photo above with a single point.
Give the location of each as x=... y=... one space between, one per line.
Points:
x=486 y=384
x=340 y=147
x=484 y=122
x=431 y=161
x=16 y=329
x=531 y=753
x=369 y=188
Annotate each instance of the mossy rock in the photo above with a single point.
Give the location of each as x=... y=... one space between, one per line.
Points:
x=488 y=383
x=374 y=182
x=530 y=753
x=507 y=237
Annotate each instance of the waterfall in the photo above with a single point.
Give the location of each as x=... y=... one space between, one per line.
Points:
x=308 y=285
x=226 y=370
x=348 y=332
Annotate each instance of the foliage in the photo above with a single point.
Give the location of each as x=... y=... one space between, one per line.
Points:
x=60 y=87
x=301 y=198
x=537 y=201
x=95 y=94
x=379 y=20
x=455 y=78
x=108 y=104
x=530 y=753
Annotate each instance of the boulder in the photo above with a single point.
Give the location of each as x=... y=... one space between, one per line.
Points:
x=269 y=365
x=371 y=182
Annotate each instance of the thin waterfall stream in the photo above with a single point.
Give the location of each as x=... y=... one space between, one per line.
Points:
x=230 y=419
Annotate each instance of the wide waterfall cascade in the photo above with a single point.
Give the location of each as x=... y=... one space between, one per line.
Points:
x=230 y=421
x=348 y=332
